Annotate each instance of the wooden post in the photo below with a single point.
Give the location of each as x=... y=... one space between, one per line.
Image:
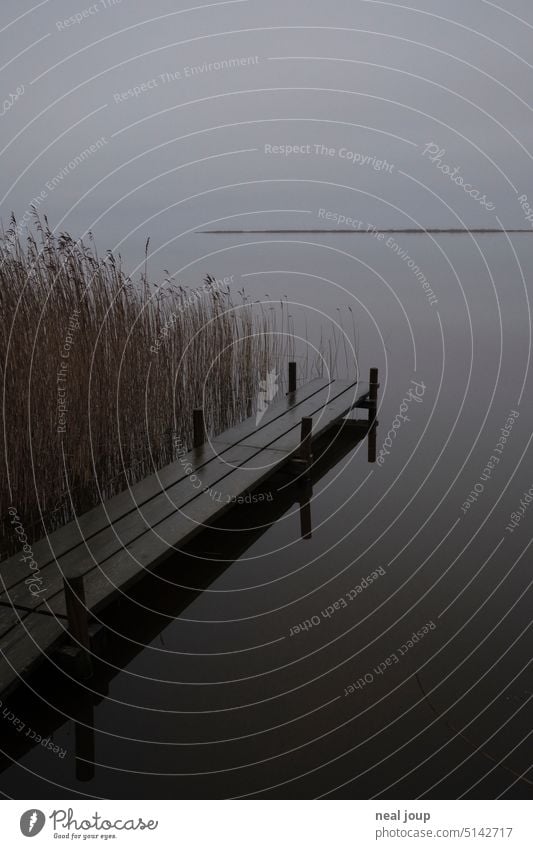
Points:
x=372 y=411
x=198 y=427
x=305 y=439
x=373 y=394
x=372 y=442
x=78 y=621
x=84 y=740
x=306 y=528
x=292 y=377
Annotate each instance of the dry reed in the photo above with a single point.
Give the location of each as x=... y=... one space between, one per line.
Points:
x=100 y=373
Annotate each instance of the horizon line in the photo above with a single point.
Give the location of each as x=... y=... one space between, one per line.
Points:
x=374 y=231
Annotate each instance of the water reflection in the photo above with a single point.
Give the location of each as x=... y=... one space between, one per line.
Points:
x=64 y=709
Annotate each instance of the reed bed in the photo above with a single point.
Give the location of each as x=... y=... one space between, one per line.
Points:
x=100 y=372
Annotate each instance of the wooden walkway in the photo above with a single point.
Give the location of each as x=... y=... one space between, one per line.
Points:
x=86 y=564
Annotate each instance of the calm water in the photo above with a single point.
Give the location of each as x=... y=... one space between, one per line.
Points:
x=202 y=691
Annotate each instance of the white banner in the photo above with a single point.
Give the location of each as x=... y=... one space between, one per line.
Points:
x=267 y=824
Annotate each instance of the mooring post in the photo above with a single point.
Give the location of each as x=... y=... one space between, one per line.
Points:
x=306 y=528
x=373 y=385
x=84 y=748
x=305 y=439
x=372 y=433
x=198 y=427
x=292 y=377
x=78 y=621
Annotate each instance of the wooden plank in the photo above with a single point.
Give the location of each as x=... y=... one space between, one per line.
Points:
x=160 y=513
x=145 y=534
x=156 y=512
x=124 y=532
x=104 y=544
x=283 y=434
x=90 y=523
x=9 y=617
x=109 y=541
x=24 y=646
x=12 y=571
x=124 y=566
x=145 y=553
x=331 y=414
x=75 y=533
x=293 y=405
x=362 y=395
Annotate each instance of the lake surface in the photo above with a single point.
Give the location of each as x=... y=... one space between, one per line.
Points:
x=207 y=689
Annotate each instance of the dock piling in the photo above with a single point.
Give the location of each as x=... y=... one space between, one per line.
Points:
x=306 y=493
x=254 y=451
x=305 y=439
x=372 y=433
x=373 y=386
x=78 y=621
x=198 y=427
x=84 y=743
x=292 y=377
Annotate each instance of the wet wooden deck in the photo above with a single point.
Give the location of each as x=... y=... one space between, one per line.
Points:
x=118 y=542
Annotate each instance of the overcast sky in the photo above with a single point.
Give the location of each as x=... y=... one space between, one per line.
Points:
x=189 y=100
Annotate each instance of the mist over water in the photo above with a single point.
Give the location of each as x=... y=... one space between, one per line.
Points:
x=239 y=640
x=366 y=635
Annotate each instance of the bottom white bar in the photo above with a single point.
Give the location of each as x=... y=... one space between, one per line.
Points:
x=266 y=824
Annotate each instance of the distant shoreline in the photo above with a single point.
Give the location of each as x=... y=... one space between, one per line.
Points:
x=407 y=231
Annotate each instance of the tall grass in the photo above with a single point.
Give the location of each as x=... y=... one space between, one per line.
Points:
x=128 y=360
x=100 y=373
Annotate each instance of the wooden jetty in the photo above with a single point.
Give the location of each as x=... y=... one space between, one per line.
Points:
x=125 y=629
x=89 y=562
